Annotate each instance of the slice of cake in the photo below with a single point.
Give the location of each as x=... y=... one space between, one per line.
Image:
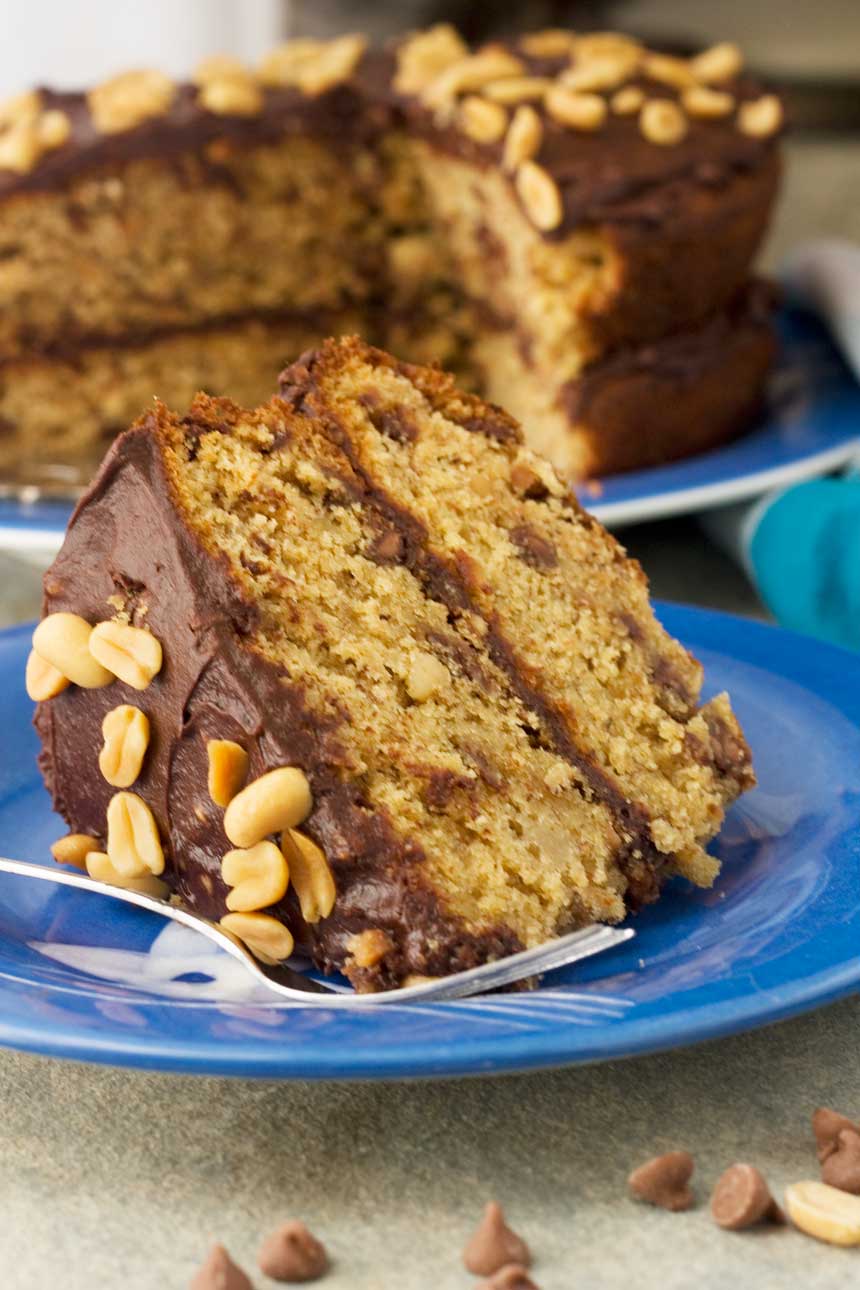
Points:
x=354 y=670
x=567 y=221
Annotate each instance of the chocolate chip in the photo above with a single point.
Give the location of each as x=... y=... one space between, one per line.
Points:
x=742 y=1198
x=533 y=548
x=219 y=1272
x=827 y=1125
x=292 y=1253
x=493 y=1246
x=664 y=1181
x=842 y=1167
x=512 y=1276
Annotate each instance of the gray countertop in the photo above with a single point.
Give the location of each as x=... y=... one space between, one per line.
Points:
x=118 y=1179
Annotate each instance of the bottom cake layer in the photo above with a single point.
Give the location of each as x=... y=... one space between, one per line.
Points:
x=641 y=406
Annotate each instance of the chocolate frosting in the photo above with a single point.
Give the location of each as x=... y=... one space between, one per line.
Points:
x=611 y=176
x=127 y=539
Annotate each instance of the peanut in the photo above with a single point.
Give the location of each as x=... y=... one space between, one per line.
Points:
x=760 y=117
x=278 y=800
x=369 y=947
x=426 y=677
x=126 y=738
x=517 y=89
x=662 y=122
x=425 y=55
x=824 y=1212
x=481 y=120
x=709 y=104
x=266 y=938
x=719 y=63
x=539 y=195
x=552 y=42
x=524 y=138
x=601 y=72
x=99 y=866
x=74 y=849
x=228 y=766
x=668 y=71
x=125 y=101
x=575 y=110
x=63 y=640
x=230 y=96
x=132 y=653
x=310 y=875
x=627 y=101
x=42 y=680
x=258 y=876
x=133 y=844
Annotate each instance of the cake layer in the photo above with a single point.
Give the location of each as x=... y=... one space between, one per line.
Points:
x=499 y=739
x=66 y=407
x=647 y=404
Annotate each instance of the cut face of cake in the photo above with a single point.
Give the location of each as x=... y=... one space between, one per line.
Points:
x=567 y=222
x=395 y=691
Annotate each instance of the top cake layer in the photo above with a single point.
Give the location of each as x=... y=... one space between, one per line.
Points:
x=619 y=133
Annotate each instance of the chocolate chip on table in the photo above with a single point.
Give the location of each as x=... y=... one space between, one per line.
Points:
x=493 y=1246
x=742 y=1198
x=664 y=1181
x=513 y=1276
x=841 y=1168
x=827 y=1125
x=219 y=1272
x=292 y=1253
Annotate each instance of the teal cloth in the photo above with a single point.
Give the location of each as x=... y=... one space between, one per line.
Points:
x=805 y=555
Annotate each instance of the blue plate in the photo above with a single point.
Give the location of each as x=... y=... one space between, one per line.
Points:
x=811 y=426
x=82 y=977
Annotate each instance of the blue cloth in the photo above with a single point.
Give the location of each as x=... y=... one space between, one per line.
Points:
x=805 y=557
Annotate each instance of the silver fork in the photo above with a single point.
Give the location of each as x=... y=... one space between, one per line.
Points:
x=292 y=984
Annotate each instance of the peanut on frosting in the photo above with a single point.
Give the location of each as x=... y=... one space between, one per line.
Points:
x=663 y=122
x=576 y=110
x=539 y=195
x=310 y=875
x=425 y=55
x=130 y=99
x=132 y=654
x=133 y=845
x=125 y=731
x=267 y=938
x=313 y=66
x=29 y=131
x=228 y=767
x=524 y=137
x=63 y=640
x=481 y=120
x=280 y=799
x=258 y=877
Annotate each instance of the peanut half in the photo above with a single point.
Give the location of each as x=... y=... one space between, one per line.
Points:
x=43 y=681
x=524 y=137
x=824 y=1212
x=228 y=767
x=258 y=876
x=99 y=866
x=310 y=875
x=278 y=800
x=132 y=653
x=426 y=677
x=538 y=192
x=74 y=849
x=63 y=640
x=126 y=738
x=133 y=844
x=266 y=938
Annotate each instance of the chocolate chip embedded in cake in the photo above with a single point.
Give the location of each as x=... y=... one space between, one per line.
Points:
x=407 y=757
x=530 y=218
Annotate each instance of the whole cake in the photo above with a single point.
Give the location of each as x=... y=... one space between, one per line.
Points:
x=355 y=671
x=567 y=222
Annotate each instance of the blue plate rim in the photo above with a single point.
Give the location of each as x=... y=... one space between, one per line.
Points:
x=811 y=663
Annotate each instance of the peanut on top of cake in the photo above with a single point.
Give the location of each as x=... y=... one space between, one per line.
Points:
x=355 y=671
